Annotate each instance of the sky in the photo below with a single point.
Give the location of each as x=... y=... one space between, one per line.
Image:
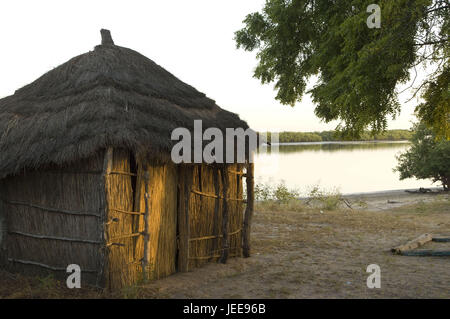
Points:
x=191 y=39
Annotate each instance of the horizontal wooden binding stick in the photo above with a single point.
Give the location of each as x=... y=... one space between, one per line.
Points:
x=212 y=256
x=53 y=210
x=115 y=244
x=229 y=171
x=213 y=236
x=27 y=262
x=126 y=236
x=75 y=240
x=122 y=173
x=125 y=212
x=74 y=172
x=215 y=196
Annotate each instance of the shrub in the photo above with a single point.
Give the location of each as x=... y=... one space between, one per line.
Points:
x=328 y=200
x=428 y=157
x=262 y=192
x=282 y=194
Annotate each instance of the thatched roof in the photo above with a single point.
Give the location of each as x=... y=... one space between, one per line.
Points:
x=111 y=96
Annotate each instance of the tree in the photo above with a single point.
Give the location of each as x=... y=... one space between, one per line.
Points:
x=358 y=68
x=428 y=157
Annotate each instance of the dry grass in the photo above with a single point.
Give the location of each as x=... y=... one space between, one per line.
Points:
x=299 y=252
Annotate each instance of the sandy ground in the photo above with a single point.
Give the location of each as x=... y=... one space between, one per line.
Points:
x=309 y=253
x=381 y=201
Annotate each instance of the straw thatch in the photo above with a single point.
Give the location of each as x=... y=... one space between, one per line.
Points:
x=111 y=96
x=85 y=175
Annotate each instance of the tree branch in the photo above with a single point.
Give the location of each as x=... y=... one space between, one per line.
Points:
x=431 y=42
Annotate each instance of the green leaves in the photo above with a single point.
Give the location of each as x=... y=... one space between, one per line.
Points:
x=358 y=68
x=435 y=111
x=428 y=157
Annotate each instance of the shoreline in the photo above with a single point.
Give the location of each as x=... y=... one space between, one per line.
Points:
x=388 y=199
x=341 y=142
x=393 y=192
x=387 y=192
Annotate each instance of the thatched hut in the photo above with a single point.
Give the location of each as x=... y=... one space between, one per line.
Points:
x=86 y=175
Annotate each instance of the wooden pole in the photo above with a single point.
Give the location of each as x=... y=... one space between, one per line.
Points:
x=103 y=274
x=185 y=175
x=216 y=208
x=225 y=239
x=146 y=232
x=248 y=210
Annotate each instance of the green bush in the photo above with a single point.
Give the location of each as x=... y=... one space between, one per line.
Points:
x=428 y=157
x=263 y=192
x=328 y=200
x=280 y=193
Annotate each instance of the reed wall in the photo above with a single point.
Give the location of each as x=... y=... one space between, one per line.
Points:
x=206 y=209
x=53 y=219
x=120 y=221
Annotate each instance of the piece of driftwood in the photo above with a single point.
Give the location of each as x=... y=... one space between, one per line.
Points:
x=420 y=191
x=419 y=241
x=346 y=202
x=426 y=253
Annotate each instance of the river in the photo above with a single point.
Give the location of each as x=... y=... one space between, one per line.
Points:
x=350 y=167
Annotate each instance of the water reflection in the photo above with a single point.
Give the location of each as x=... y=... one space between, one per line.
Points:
x=332 y=146
x=353 y=167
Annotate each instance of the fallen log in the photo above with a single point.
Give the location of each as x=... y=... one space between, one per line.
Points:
x=419 y=241
x=441 y=239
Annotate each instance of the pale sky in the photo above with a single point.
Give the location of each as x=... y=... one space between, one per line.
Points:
x=191 y=39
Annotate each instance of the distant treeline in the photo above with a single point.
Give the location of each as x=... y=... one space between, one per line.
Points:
x=326 y=136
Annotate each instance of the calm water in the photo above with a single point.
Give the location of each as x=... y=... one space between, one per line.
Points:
x=352 y=167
